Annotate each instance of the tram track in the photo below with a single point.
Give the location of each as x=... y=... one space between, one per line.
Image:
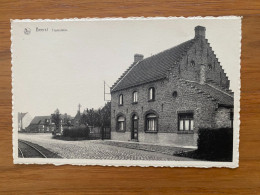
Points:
x=20 y=152
x=27 y=150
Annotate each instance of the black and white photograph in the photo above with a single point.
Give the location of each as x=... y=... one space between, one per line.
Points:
x=161 y=91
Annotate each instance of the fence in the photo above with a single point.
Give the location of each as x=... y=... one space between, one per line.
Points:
x=99 y=132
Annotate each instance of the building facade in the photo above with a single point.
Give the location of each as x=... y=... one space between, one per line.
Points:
x=40 y=124
x=45 y=124
x=166 y=98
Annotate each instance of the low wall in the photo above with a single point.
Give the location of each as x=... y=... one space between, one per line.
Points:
x=121 y=136
x=159 y=138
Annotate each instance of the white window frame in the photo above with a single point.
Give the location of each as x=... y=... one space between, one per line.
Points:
x=151 y=122
x=135 y=96
x=121 y=100
x=151 y=93
x=186 y=123
x=120 y=123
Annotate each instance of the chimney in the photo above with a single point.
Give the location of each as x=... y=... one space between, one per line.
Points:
x=138 y=57
x=200 y=32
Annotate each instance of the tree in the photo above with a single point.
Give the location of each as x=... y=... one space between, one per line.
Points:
x=97 y=118
x=56 y=118
x=106 y=114
x=84 y=119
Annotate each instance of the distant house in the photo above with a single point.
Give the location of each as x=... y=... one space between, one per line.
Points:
x=166 y=98
x=24 y=120
x=44 y=124
x=40 y=124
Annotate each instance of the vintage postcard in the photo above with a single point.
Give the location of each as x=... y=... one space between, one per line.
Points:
x=127 y=91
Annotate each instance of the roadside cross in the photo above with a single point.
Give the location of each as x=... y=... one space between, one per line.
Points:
x=79 y=107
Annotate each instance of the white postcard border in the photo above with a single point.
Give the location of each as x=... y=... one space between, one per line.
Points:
x=128 y=163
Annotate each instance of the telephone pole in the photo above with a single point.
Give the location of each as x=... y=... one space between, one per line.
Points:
x=105 y=93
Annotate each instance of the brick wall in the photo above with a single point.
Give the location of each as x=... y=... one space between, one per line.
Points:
x=165 y=105
x=201 y=53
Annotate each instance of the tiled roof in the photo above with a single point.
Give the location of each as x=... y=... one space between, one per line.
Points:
x=39 y=119
x=152 y=68
x=220 y=96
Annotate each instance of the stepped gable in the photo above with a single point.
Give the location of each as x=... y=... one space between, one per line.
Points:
x=220 y=96
x=152 y=68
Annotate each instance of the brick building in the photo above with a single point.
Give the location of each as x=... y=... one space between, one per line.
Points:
x=167 y=97
x=40 y=124
x=44 y=124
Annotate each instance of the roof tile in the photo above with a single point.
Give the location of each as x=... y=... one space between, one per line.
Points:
x=152 y=68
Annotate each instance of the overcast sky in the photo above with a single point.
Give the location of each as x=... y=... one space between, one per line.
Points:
x=62 y=69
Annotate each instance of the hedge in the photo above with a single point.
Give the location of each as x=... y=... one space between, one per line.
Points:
x=216 y=143
x=76 y=132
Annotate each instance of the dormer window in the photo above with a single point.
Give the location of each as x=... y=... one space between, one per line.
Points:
x=151 y=94
x=135 y=97
x=121 y=99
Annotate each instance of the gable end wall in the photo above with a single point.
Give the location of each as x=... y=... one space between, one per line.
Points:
x=201 y=53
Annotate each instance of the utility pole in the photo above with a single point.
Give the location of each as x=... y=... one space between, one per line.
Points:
x=105 y=93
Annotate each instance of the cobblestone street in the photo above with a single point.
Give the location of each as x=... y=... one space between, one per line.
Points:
x=93 y=149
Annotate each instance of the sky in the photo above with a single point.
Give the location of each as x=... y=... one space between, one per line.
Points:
x=60 y=69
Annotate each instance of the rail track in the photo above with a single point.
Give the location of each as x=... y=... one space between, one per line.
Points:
x=20 y=152
x=27 y=150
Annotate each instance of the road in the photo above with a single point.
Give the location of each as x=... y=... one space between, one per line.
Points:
x=94 y=149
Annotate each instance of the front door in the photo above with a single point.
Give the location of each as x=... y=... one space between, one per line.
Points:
x=134 y=134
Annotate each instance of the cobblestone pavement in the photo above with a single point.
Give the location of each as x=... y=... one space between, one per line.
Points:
x=93 y=149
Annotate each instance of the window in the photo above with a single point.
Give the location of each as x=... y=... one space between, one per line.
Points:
x=209 y=66
x=121 y=99
x=174 y=94
x=151 y=122
x=135 y=97
x=151 y=93
x=121 y=123
x=192 y=63
x=186 y=122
